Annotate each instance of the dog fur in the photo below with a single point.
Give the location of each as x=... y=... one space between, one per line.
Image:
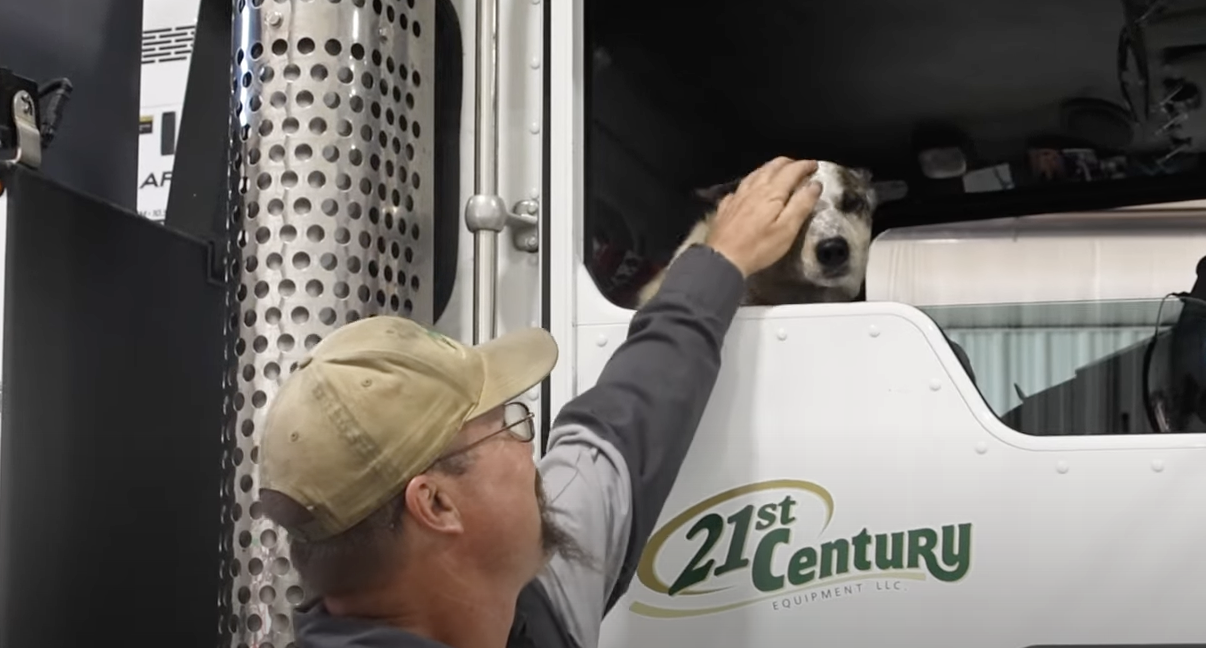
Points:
x=843 y=212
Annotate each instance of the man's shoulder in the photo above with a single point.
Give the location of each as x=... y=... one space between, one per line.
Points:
x=317 y=628
x=537 y=624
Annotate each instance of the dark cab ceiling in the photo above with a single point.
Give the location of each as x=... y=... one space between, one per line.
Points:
x=854 y=80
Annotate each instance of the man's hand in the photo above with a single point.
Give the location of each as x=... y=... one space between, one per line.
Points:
x=756 y=224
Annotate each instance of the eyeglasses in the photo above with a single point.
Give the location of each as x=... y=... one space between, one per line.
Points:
x=517 y=421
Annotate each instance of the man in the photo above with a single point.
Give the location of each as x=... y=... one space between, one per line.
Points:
x=397 y=459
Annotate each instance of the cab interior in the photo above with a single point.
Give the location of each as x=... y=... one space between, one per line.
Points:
x=961 y=110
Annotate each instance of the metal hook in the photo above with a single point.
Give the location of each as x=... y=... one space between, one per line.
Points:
x=29 y=138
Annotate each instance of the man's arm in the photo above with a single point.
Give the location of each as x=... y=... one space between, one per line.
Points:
x=615 y=450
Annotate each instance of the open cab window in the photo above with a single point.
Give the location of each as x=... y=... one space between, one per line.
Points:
x=1007 y=112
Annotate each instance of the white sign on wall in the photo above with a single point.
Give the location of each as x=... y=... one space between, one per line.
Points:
x=169 y=27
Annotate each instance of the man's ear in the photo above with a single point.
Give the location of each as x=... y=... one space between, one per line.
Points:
x=432 y=506
x=714 y=194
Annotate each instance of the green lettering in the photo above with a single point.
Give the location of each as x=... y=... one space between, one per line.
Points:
x=921 y=546
x=959 y=559
x=799 y=570
x=735 y=559
x=785 y=507
x=835 y=557
x=763 y=579
x=882 y=561
x=696 y=573
x=861 y=542
x=766 y=516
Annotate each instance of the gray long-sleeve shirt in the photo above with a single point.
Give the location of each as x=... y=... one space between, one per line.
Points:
x=614 y=453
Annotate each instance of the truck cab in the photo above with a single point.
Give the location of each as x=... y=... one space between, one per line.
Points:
x=1001 y=442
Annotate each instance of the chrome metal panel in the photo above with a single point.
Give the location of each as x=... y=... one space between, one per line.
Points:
x=334 y=110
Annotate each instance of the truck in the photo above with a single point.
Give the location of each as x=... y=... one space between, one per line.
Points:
x=1001 y=444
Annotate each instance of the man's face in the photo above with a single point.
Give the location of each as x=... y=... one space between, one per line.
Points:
x=505 y=512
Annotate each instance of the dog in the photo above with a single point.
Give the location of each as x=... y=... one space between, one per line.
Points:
x=828 y=260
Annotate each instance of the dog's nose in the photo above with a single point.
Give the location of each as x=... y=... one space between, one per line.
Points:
x=833 y=252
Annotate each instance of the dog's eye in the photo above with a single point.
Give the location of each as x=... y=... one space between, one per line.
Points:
x=851 y=202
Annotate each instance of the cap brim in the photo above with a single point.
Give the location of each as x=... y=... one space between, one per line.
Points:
x=514 y=363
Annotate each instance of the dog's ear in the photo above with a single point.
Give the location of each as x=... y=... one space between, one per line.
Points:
x=872 y=198
x=714 y=194
x=865 y=177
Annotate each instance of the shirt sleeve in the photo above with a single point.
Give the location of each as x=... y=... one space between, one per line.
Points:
x=615 y=450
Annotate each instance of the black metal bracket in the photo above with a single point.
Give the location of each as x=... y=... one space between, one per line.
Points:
x=215 y=267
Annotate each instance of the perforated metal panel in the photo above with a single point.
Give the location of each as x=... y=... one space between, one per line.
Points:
x=334 y=107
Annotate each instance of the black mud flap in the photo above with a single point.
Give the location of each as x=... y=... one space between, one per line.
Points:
x=110 y=428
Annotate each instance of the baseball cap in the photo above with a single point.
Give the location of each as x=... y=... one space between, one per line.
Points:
x=375 y=403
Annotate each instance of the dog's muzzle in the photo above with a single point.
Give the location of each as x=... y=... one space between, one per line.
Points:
x=833 y=254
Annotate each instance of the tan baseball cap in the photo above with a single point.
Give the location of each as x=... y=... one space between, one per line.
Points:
x=375 y=403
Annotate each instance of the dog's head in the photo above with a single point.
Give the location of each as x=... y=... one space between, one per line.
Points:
x=831 y=250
